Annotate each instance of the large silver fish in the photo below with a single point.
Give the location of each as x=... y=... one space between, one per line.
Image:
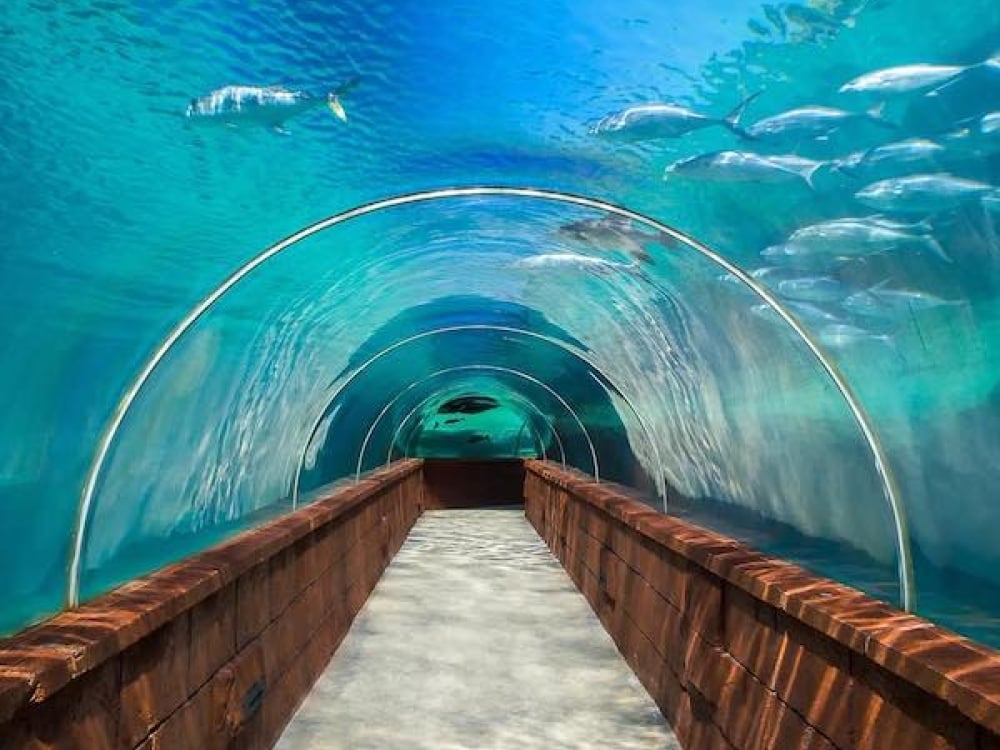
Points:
x=845 y=335
x=811 y=122
x=805 y=311
x=269 y=106
x=923 y=193
x=812 y=289
x=644 y=122
x=853 y=237
x=616 y=233
x=905 y=79
x=886 y=303
x=891 y=159
x=744 y=166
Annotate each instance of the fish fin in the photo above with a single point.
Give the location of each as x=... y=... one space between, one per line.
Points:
x=281 y=130
x=877 y=115
x=809 y=175
x=936 y=91
x=333 y=102
x=937 y=250
x=642 y=256
x=993 y=61
x=733 y=117
x=880 y=285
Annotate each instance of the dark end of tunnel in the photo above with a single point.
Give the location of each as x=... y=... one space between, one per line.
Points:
x=491 y=416
x=470 y=483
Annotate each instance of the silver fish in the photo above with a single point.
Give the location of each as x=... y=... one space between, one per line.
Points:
x=853 y=237
x=883 y=161
x=263 y=105
x=805 y=311
x=802 y=258
x=811 y=122
x=843 y=335
x=616 y=233
x=743 y=166
x=813 y=313
x=922 y=193
x=812 y=289
x=770 y=274
x=644 y=122
x=904 y=79
x=883 y=302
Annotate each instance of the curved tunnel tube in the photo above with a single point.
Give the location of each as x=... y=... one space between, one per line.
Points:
x=565 y=348
x=890 y=486
x=517 y=373
x=401 y=394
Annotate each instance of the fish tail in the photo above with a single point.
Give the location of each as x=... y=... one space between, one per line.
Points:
x=732 y=119
x=809 y=173
x=993 y=61
x=876 y=115
x=935 y=247
x=333 y=98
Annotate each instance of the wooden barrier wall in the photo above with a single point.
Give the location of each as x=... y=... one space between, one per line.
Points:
x=746 y=652
x=458 y=483
x=216 y=651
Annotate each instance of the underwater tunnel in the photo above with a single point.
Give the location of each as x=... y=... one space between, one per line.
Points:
x=258 y=256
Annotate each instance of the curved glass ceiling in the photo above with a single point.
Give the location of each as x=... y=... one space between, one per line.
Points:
x=858 y=195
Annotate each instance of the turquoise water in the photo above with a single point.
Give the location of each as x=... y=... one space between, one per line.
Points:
x=595 y=340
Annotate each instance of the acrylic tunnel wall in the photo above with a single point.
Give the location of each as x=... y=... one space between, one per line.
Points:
x=843 y=414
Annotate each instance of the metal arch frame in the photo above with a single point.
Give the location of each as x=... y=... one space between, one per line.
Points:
x=395 y=399
x=562 y=345
x=517 y=444
x=530 y=379
x=879 y=456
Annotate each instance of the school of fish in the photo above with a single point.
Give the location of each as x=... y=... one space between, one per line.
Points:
x=901 y=183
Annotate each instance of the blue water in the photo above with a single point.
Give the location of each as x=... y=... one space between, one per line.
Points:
x=601 y=342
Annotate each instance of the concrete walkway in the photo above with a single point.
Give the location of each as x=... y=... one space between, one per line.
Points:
x=476 y=638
